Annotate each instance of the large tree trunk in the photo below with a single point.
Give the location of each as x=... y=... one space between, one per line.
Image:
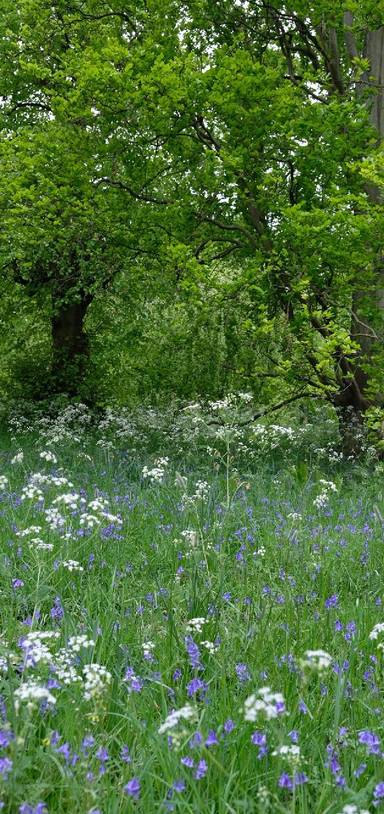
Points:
x=355 y=397
x=70 y=348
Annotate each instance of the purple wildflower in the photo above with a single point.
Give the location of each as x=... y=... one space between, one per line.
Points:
x=259 y=738
x=300 y=778
x=371 y=741
x=197 y=685
x=6 y=736
x=285 y=781
x=57 y=611
x=124 y=755
x=87 y=743
x=193 y=653
x=65 y=750
x=196 y=740
x=201 y=770
x=338 y=626
x=378 y=791
x=133 y=787
x=242 y=672
x=102 y=754
x=5 y=766
x=211 y=738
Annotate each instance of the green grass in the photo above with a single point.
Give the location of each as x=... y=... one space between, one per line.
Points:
x=142 y=582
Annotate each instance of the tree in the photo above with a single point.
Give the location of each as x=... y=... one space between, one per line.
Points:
x=274 y=111
x=80 y=169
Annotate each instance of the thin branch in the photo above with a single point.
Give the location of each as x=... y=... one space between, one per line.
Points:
x=230 y=227
x=36 y=105
x=372 y=335
x=235 y=246
x=137 y=195
x=273 y=409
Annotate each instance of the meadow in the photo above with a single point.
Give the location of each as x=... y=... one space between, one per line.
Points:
x=191 y=616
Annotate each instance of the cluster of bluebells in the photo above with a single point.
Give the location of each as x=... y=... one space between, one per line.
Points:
x=200 y=661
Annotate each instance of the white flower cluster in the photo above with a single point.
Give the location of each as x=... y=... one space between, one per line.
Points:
x=376 y=631
x=55 y=520
x=104 y=444
x=186 y=713
x=191 y=537
x=37 y=480
x=101 y=505
x=316 y=660
x=72 y=565
x=350 y=808
x=18 y=458
x=3 y=482
x=64 y=668
x=212 y=647
x=77 y=643
x=148 y=648
x=98 y=504
x=28 y=531
x=37 y=544
x=96 y=679
x=49 y=456
x=89 y=521
x=291 y=753
x=71 y=500
x=64 y=664
x=35 y=649
x=31 y=492
x=201 y=493
x=31 y=693
x=264 y=702
x=196 y=625
x=323 y=497
x=157 y=473
x=270 y=437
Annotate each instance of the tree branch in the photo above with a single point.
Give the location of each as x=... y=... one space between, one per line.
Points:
x=137 y=195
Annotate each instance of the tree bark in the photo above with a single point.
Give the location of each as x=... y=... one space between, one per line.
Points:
x=353 y=400
x=70 y=347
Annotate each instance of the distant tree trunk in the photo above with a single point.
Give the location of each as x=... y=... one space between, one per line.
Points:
x=70 y=347
x=353 y=400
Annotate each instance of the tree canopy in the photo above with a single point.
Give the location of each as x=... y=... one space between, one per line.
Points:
x=163 y=156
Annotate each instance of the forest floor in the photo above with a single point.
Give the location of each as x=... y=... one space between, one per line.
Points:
x=188 y=639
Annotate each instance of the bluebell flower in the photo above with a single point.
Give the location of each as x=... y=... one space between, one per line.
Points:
x=133 y=788
x=285 y=781
x=201 y=769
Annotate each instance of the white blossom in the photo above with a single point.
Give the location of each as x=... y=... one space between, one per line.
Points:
x=186 y=713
